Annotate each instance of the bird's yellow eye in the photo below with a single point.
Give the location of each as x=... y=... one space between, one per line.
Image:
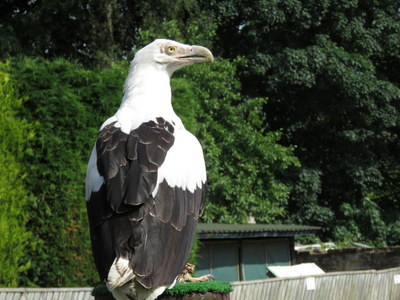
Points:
x=171 y=49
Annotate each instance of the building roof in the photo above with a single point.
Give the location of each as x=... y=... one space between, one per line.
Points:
x=235 y=231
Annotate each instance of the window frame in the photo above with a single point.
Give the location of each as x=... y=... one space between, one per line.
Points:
x=238 y=244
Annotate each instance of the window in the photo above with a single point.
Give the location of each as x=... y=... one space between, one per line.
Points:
x=222 y=259
x=278 y=252
x=219 y=259
x=253 y=260
x=257 y=255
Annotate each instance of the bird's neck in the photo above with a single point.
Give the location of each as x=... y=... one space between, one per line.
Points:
x=147 y=88
x=147 y=95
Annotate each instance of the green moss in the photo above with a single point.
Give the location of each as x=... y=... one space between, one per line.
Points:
x=181 y=289
x=185 y=288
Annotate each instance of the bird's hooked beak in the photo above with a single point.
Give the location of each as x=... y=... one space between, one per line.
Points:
x=176 y=55
x=195 y=54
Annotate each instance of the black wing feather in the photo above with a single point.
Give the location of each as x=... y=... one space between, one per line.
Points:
x=156 y=234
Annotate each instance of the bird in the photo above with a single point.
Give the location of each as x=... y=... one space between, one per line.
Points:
x=146 y=179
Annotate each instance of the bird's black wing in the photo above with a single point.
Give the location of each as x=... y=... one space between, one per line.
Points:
x=154 y=233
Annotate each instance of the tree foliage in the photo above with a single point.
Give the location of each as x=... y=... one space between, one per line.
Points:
x=329 y=71
x=14 y=134
x=76 y=29
x=96 y=32
x=241 y=157
x=316 y=80
x=67 y=104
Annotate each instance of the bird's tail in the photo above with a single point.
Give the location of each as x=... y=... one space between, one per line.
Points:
x=125 y=292
x=148 y=294
x=120 y=273
x=122 y=284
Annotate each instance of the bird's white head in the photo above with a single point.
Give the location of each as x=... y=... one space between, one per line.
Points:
x=171 y=56
x=147 y=90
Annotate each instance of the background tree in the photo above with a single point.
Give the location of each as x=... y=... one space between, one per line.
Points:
x=327 y=68
x=67 y=103
x=241 y=158
x=14 y=134
x=329 y=71
x=95 y=32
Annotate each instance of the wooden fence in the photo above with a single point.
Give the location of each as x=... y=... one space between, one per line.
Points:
x=365 y=285
x=46 y=294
